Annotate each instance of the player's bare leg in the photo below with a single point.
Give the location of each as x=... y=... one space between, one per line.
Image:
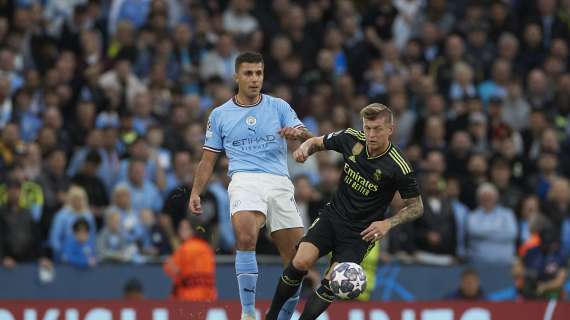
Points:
x=292 y=277
x=246 y=226
x=286 y=241
x=321 y=298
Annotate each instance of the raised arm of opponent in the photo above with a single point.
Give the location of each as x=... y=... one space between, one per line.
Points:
x=301 y=133
x=309 y=147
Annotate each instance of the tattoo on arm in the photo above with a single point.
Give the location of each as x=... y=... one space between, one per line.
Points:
x=305 y=134
x=413 y=209
x=316 y=145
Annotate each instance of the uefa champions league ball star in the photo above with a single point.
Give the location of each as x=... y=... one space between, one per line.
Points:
x=348 y=280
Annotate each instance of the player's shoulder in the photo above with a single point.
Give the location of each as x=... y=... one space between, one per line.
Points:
x=274 y=101
x=217 y=112
x=398 y=160
x=355 y=134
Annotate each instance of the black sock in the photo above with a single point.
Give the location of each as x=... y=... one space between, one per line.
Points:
x=288 y=284
x=318 y=302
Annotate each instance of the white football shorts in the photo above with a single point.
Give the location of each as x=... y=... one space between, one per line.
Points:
x=270 y=194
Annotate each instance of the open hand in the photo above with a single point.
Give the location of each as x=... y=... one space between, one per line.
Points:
x=376 y=231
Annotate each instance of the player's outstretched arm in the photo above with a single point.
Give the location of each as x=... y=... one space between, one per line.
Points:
x=301 y=134
x=413 y=209
x=201 y=177
x=309 y=147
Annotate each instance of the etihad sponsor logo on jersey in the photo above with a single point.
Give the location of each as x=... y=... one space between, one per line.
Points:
x=254 y=143
x=358 y=182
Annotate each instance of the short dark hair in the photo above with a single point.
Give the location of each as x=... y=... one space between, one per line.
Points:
x=93 y=157
x=469 y=271
x=248 y=57
x=80 y=225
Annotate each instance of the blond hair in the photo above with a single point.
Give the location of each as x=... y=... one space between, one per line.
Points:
x=79 y=192
x=377 y=110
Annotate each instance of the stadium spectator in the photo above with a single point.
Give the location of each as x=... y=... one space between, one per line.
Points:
x=19 y=233
x=491 y=229
x=61 y=231
x=528 y=211
x=557 y=204
x=133 y=290
x=192 y=267
x=144 y=193
x=130 y=223
x=54 y=183
x=237 y=18
x=31 y=195
x=79 y=249
x=469 y=287
x=182 y=168
x=545 y=268
x=435 y=232
x=113 y=244
x=461 y=212
x=139 y=149
x=220 y=61
x=155 y=242
x=458 y=153
x=510 y=193
x=93 y=185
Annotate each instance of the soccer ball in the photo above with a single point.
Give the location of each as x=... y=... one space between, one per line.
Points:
x=348 y=280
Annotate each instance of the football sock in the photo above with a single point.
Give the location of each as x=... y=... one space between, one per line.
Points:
x=288 y=285
x=246 y=271
x=289 y=307
x=318 y=302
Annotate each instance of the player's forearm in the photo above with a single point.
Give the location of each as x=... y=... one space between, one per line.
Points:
x=557 y=282
x=314 y=144
x=413 y=209
x=305 y=135
x=201 y=176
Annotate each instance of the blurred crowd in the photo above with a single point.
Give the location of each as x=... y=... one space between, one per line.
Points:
x=103 y=106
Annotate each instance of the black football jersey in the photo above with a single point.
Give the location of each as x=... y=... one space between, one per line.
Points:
x=368 y=184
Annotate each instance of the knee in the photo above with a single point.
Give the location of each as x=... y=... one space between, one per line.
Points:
x=302 y=263
x=246 y=241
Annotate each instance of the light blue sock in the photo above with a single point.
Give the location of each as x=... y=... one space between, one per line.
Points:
x=288 y=308
x=246 y=271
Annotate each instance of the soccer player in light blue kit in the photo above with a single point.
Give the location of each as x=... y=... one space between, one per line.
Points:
x=251 y=128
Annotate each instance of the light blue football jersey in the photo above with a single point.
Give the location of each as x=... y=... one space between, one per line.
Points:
x=250 y=134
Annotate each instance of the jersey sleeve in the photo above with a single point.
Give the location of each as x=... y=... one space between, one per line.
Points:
x=408 y=185
x=289 y=118
x=337 y=141
x=213 y=141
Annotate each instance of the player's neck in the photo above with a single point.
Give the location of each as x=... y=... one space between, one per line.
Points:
x=244 y=100
x=378 y=151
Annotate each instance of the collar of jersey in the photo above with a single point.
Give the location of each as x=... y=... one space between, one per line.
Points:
x=235 y=100
x=378 y=156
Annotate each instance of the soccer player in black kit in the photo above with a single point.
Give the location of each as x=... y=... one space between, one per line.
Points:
x=348 y=226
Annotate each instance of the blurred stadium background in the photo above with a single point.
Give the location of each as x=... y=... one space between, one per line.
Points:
x=102 y=113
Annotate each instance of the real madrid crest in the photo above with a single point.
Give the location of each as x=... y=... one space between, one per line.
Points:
x=356 y=150
x=377 y=175
x=251 y=121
